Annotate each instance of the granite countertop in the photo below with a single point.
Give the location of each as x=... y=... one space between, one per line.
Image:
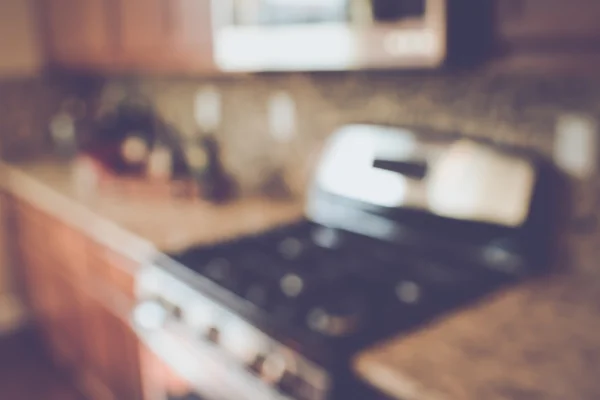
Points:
x=139 y=226
x=536 y=341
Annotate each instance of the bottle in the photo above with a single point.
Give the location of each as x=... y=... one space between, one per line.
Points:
x=202 y=158
x=64 y=127
x=160 y=163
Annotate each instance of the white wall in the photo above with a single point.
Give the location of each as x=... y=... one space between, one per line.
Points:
x=20 y=49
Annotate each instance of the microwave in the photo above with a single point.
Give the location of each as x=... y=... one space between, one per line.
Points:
x=314 y=35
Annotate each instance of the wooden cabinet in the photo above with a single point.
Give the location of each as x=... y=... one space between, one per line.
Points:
x=20 y=52
x=191 y=41
x=80 y=33
x=146 y=26
x=111 y=353
x=169 y=36
x=81 y=294
x=544 y=20
x=176 y=37
x=542 y=35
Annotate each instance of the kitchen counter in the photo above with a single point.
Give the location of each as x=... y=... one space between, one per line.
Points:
x=539 y=340
x=137 y=227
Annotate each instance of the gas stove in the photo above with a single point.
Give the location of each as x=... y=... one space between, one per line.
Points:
x=400 y=229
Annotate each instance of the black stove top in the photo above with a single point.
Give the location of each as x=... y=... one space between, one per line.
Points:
x=335 y=284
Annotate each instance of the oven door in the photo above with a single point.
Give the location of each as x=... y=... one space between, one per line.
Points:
x=204 y=372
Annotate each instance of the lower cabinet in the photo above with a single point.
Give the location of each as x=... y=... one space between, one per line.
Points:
x=80 y=301
x=111 y=352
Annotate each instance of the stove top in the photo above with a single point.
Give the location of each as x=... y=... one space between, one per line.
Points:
x=336 y=284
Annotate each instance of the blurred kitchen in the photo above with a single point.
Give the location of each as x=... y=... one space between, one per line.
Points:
x=299 y=199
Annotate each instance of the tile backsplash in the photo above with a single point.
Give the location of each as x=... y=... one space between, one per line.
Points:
x=520 y=111
x=272 y=126
x=26 y=107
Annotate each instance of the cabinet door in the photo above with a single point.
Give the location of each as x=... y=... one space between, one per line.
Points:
x=112 y=352
x=166 y=35
x=192 y=39
x=145 y=27
x=20 y=53
x=80 y=33
x=548 y=36
x=556 y=20
x=61 y=320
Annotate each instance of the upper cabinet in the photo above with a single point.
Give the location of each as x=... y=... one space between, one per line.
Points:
x=80 y=33
x=542 y=35
x=168 y=36
x=549 y=20
x=20 y=52
x=145 y=28
x=205 y=36
x=165 y=35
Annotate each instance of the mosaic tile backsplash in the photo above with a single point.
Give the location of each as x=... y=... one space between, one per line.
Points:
x=520 y=111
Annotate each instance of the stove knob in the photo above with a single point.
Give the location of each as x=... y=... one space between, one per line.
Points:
x=342 y=315
x=150 y=315
x=242 y=341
